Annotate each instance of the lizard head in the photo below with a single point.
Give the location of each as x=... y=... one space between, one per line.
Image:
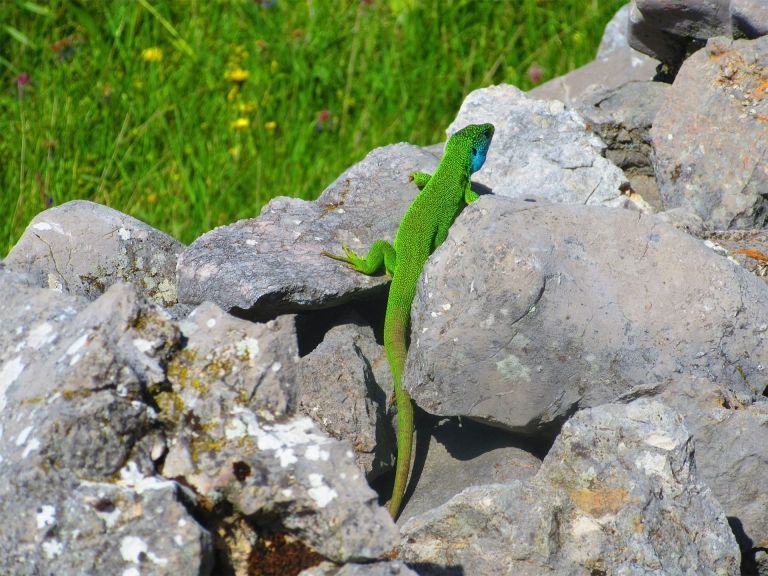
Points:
x=475 y=139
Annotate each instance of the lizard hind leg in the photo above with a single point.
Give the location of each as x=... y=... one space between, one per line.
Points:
x=380 y=255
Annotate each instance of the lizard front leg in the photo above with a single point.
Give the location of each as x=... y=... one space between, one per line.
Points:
x=470 y=195
x=381 y=255
x=421 y=179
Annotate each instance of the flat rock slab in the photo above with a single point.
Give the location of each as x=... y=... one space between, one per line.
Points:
x=566 y=306
x=83 y=248
x=540 y=149
x=711 y=134
x=617 y=494
x=273 y=264
x=459 y=454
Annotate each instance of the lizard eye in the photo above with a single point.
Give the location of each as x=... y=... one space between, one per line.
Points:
x=474 y=151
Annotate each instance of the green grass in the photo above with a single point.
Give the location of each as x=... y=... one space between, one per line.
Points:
x=157 y=139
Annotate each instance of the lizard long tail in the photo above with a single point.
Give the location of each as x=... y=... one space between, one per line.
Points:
x=395 y=327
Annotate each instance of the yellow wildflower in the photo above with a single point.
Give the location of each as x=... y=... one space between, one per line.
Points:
x=246 y=107
x=241 y=124
x=274 y=66
x=233 y=92
x=271 y=125
x=237 y=75
x=151 y=198
x=234 y=152
x=153 y=54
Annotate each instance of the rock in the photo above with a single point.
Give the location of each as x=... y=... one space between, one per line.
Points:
x=77 y=377
x=345 y=384
x=237 y=443
x=461 y=453
x=750 y=17
x=615 y=65
x=670 y=31
x=257 y=363
x=84 y=248
x=623 y=117
x=731 y=432
x=273 y=264
x=547 y=313
x=99 y=528
x=77 y=438
x=615 y=35
x=98 y=400
x=540 y=149
x=709 y=137
x=617 y=493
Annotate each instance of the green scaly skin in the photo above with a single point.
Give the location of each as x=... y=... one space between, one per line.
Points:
x=423 y=228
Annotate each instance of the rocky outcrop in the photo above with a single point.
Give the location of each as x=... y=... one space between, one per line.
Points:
x=592 y=322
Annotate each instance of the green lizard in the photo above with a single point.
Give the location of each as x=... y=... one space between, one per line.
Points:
x=423 y=228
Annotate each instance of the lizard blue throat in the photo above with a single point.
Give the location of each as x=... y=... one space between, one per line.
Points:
x=480 y=149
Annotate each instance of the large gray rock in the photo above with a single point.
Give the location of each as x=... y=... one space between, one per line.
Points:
x=234 y=438
x=566 y=306
x=540 y=149
x=345 y=386
x=617 y=494
x=615 y=65
x=73 y=423
x=273 y=263
x=623 y=117
x=710 y=136
x=97 y=400
x=83 y=248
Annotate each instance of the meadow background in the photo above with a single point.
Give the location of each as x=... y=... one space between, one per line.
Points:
x=189 y=114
